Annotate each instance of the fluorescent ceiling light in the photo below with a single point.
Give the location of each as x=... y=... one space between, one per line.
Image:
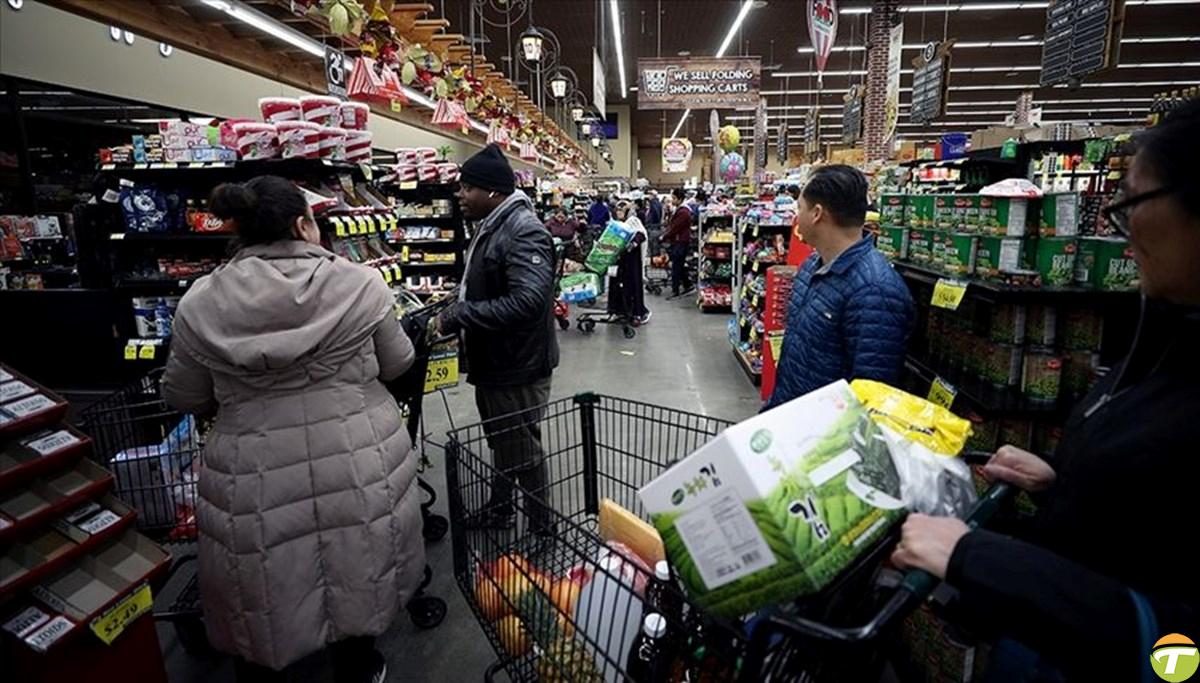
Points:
x=616 y=22
x=268 y=25
x=733 y=29
x=683 y=118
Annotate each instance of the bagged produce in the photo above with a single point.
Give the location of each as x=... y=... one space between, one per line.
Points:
x=613 y=241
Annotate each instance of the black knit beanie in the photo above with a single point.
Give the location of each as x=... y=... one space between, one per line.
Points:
x=489 y=170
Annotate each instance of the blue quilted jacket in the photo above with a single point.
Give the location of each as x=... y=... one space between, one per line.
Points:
x=848 y=321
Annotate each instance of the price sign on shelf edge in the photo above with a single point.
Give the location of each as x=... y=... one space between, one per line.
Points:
x=948 y=294
x=442 y=371
x=112 y=623
x=942 y=393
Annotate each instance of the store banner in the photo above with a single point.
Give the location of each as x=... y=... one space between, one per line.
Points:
x=714 y=128
x=760 y=135
x=822 y=29
x=852 y=114
x=599 y=85
x=781 y=142
x=892 y=102
x=699 y=82
x=676 y=155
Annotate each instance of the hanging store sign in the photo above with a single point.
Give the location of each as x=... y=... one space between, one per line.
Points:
x=931 y=82
x=714 y=127
x=699 y=83
x=781 y=149
x=335 y=72
x=760 y=135
x=822 y=29
x=1082 y=37
x=891 y=104
x=676 y=155
x=852 y=114
x=599 y=85
x=812 y=132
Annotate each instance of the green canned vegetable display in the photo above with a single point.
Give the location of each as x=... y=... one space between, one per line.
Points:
x=997 y=255
x=984 y=434
x=1106 y=263
x=966 y=212
x=893 y=242
x=1080 y=328
x=1060 y=215
x=1007 y=324
x=920 y=211
x=1042 y=376
x=943 y=212
x=958 y=255
x=1079 y=368
x=1005 y=216
x=1001 y=364
x=1056 y=261
x=937 y=250
x=973 y=355
x=893 y=210
x=1041 y=325
x=919 y=248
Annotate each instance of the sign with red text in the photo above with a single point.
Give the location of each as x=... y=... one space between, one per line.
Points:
x=822 y=28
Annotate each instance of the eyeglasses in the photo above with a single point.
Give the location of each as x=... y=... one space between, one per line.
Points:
x=1117 y=212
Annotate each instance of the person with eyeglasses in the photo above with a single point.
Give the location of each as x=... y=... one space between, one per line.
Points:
x=1106 y=568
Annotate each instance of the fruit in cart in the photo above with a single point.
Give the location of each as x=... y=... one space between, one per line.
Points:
x=564 y=593
x=568 y=660
x=513 y=635
x=500 y=584
x=542 y=618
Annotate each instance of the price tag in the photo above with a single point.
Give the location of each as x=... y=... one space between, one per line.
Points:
x=948 y=294
x=942 y=393
x=170 y=164
x=366 y=226
x=755 y=302
x=117 y=236
x=327 y=162
x=158 y=165
x=131 y=351
x=51 y=443
x=112 y=623
x=408 y=185
x=396 y=271
x=108 y=167
x=141 y=167
x=442 y=370
x=196 y=164
x=397 y=106
x=387 y=274
x=147 y=352
x=756 y=265
x=393 y=223
x=339 y=228
x=775 y=339
x=366 y=170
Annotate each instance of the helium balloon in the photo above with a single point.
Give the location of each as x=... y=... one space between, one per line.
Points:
x=728 y=138
x=732 y=167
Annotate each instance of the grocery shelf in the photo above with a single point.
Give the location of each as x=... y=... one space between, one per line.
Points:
x=746 y=365
x=170 y=236
x=432 y=263
x=157 y=284
x=248 y=168
x=996 y=291
x=431 y=241
x=981 y=396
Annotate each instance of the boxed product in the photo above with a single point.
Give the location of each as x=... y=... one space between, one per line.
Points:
x=1003 y=216
x=179 y=156
x=966 y=212
x=1041 y=375
x=358 y=146
x=1060 y=215
x=958 y=254
x=184 y=129
x=354 y=115
x=944 y=217
x=1106 y=263
x=608 y=248
x=214 y=154
x=921 y=210
x=321 y=110
x=996 y=255
x=331 y=143
x=893 y=242
x=254 y=140
x=1056 y=261
x=581 y=287
x=778 y=505
x=279 y=109
x=298 y=139
x=937 y=250
x=919 y=247
x=893 y=209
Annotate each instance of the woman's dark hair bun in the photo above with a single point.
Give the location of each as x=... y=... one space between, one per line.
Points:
x=233 y=200
x=263 y=210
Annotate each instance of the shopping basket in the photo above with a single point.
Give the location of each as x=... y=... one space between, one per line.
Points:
x=597 y=447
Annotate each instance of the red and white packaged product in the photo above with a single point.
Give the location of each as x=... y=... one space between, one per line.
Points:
x=427 y=173
x=321 y=110
x=426 y=155
x=448 y=172
x=406 y=173
x=358 y=145
x=354 y=115
x=298 y=139
x=332 y=143
x=255 y=140
x=279 y=109
x=182 y=129
x=406 y=155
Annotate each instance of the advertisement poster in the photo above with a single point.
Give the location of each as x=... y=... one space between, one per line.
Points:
x=699 y=83
x=822 y=29
x=892 y=103
x=676 y=155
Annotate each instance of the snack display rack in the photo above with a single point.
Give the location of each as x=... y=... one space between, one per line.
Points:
x=75 y=579
x=761 y=241
x=779 y=294
x=715 y=259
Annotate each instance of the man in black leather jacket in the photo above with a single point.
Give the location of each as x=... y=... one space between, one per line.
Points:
x=505 y=313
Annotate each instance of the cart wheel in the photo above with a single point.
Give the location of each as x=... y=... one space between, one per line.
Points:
x=656 y=291
x=564 y=324
x=435 y=527
x=589 y=326
x=191 y=635
x=630 y=333
x=426 y=612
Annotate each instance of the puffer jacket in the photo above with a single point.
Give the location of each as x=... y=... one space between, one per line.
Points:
x=848 y=321
x=506 y=311
x=308 y=512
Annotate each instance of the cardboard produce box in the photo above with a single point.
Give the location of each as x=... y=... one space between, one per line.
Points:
x=778 y=505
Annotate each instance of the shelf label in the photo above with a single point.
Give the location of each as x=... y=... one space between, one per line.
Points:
x=51 y=443
x=147 y=352
x=396 y=271
x=775 y=339
x=942 y=393
x=408 y=185
x=117 y=236
x=396 y=105
x=387 y=274
x=442 y=370
x=195 y=164
x=131 y=351
x=112 y=623
x=338 y=228
x=366 y=170
x=108 y=167
x=948 y=294
x=141 y=167
x=44 y=637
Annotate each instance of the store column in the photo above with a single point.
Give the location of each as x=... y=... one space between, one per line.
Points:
x=1024 y=106
x=884 y=13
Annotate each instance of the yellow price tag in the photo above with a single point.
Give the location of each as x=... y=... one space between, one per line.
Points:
x=408 y=185
x=386 y=271
x=371 y=224
x=755 y=302
x=756 y=265
x=948 y=294
x=109 y=625
x=442 y=370
x=942 y=393
x=339 y=228
x=397 y=106
x=365 y=168
x=131 y=351
x=147 y=352
x=775 y=339
x=396 y=271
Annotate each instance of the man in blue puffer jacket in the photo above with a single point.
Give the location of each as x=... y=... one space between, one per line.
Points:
x=850 y=313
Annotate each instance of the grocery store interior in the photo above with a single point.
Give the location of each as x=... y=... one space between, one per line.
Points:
x=597 y=340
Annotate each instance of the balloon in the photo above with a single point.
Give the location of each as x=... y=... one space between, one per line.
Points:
x=728 y=138
x=732 y=167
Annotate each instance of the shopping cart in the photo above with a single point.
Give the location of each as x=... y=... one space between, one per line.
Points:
x=596 y=447
x=657 y=275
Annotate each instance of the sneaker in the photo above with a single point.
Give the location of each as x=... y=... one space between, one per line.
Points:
x=645 y=318
x=490 y=518
x=378 y=668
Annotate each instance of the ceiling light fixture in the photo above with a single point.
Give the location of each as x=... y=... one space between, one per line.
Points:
x=616 y=22
x=733 y=29
x=1027 y=36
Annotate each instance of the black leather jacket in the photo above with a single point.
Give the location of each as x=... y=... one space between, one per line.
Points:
x=507 y=316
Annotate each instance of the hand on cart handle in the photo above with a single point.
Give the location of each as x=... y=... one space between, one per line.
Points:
x=1020 y=468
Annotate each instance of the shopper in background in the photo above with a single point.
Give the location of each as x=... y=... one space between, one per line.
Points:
x=309 y=519
x=677 y=238
x=562 y=226
x=505 y=312
x=625 y=294
x=850 y=313
x=1072 y=589
x=599 y=214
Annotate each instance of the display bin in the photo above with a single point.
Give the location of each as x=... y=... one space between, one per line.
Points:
x=599 y=447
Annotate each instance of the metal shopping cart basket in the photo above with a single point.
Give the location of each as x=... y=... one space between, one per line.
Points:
x=525 y=583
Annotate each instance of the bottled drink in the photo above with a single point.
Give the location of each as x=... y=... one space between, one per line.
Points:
x=650 y=658
x=661 y=597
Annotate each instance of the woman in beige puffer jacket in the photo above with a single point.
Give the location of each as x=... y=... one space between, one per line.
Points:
x=309 y=519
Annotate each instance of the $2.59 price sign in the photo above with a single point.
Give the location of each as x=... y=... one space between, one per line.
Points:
x=442 y=371
x=109 y=625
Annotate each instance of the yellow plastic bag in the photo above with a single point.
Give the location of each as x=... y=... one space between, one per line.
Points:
x=914 y=418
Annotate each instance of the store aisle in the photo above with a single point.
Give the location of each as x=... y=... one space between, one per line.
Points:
x=681 y=359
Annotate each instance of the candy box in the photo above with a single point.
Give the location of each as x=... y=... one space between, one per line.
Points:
x=298 y=139
x=279 y=109
x=174 y=155
x=331 y=143
x=181 y=129
x=354 y=115
x=210 y=154
x=321 y=110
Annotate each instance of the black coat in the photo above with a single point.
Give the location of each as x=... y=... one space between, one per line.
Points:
x=1121 y=516
x=507 y=318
